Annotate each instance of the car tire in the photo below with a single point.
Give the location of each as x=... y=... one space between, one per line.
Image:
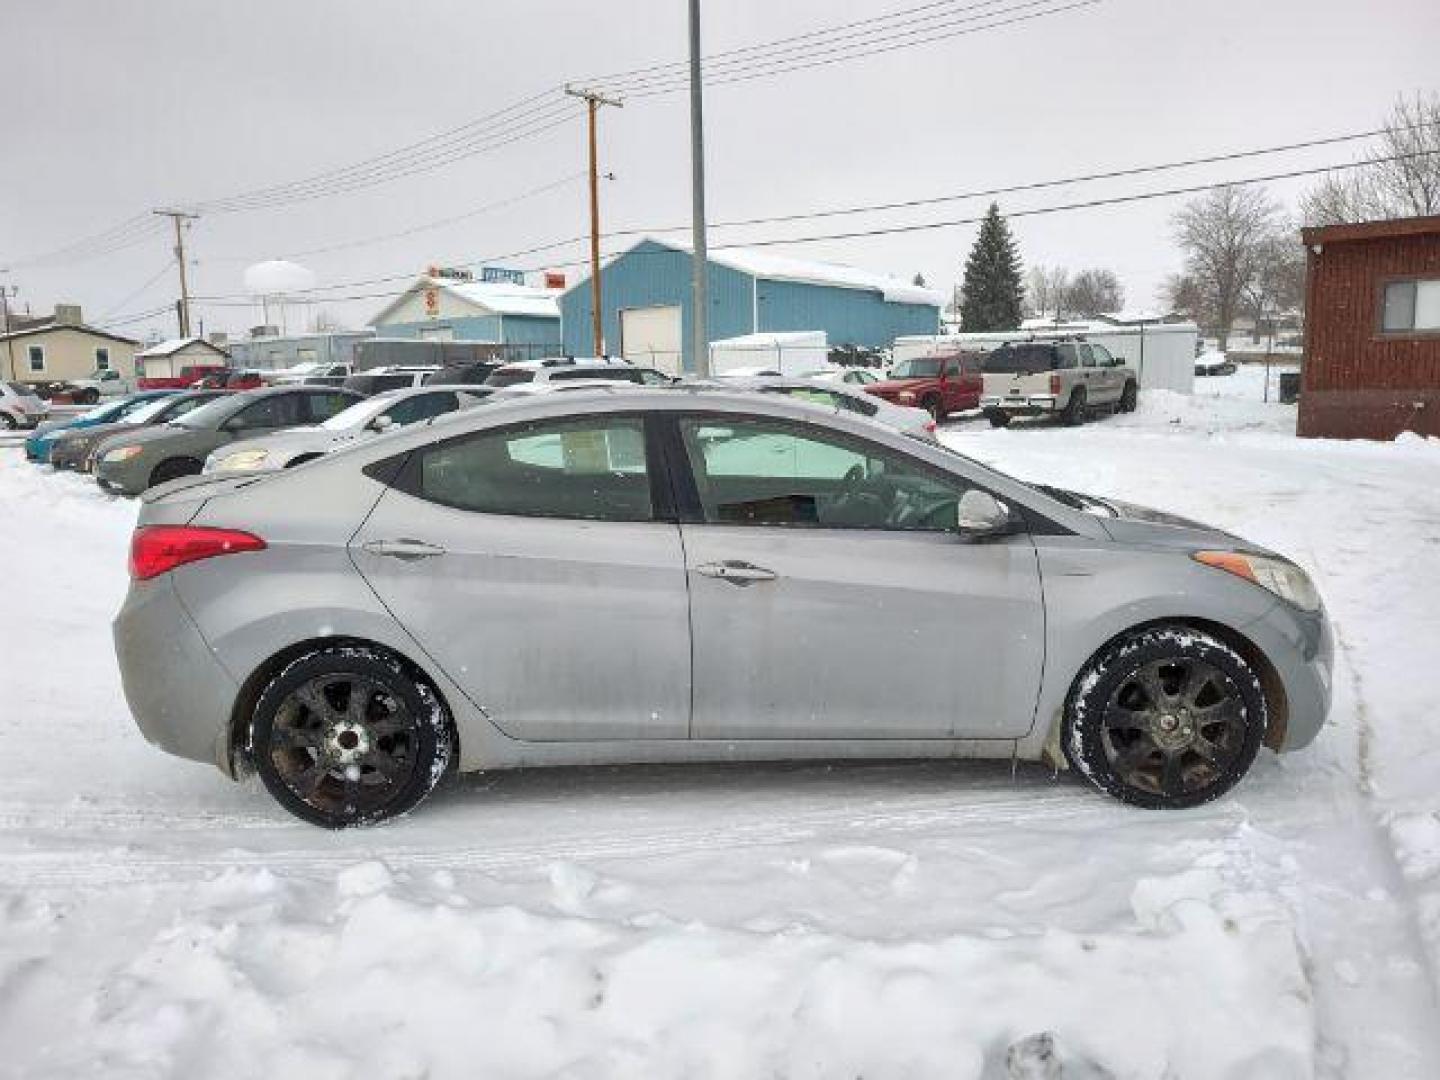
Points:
x=8 y=422
x=174 y=469
x=88 y=397
x=931 y=404
x=1073 y=415
x=998 y=418
x=338 y=764
x=1128 y=397
x=1167 y=717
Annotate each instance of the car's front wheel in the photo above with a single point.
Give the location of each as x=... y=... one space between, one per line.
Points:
x=998 y=417
x=1166 y=717
x=7 y=422
x=1128 y=397
x=345 y=736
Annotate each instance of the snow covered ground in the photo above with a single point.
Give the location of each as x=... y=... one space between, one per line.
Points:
x=878 y=920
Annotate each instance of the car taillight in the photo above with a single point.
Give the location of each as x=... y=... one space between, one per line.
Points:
x=158 y=549
x=1055 y=385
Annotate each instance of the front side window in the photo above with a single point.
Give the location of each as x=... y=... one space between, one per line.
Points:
x=36 y=355
x=280 y=411
x=1102 y=356
x=1087 y=358
x=421 y=407
x=1411 y=306
x=763 y=472
x=590 y=469
x=102 y=359
x=322 y=407
x=510 y=377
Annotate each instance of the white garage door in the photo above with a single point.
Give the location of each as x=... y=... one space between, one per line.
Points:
x=651 y=336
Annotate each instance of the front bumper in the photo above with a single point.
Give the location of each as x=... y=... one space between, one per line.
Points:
x=178 y=693
x=122 y=477
x=1301 y=647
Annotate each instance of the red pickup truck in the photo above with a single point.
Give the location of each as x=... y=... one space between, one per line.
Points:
x=162 y=375
x=940 y=383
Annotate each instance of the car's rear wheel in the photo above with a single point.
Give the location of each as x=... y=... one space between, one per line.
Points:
x=998 y=418
x=345 y=736
x=88 y=397
x=173 y=469
x=1128 y=397
x=931 y=404
x=1074 y=412
x=1165 y=718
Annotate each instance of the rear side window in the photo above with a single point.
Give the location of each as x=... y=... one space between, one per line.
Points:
x=590 y=469
x=1066 y=356
x=623 y=374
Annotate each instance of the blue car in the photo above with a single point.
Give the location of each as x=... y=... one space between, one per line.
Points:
x=37 y=446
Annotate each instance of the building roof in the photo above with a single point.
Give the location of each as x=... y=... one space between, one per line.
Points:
x=774 y=267
x=52 y=327
x=175 y=345
x=496 y=297
x=1371 y=230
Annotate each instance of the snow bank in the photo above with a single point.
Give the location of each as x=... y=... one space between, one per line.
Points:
x=266 y=977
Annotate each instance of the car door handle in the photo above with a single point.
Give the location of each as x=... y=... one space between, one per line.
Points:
x=405 y=549
x=737 y=573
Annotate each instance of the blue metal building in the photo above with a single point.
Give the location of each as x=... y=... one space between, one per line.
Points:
x=647 y=307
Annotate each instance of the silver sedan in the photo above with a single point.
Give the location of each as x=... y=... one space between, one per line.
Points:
x=693 y=574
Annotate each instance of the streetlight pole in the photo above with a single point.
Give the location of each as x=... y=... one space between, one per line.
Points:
x=699 y=302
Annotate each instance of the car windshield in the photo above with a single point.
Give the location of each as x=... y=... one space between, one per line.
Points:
x=212 y=413
x=359 y=414
x=1019 y=360
x=100 y=412
x=20 y=388
x=924 y=367
x=148 y=410
x=513 y=377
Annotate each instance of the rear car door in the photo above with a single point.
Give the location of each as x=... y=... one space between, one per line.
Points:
x=536 y=566
x=831 y=597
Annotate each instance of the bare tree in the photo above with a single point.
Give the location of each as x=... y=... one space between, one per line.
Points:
x=1278 y=283
x=1094 y=292
x=1402 y=178
x=1045 y=291
x=1224 y=234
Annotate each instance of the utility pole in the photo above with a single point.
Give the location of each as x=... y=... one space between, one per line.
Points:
x=593 y=101
x=699 y=294
x=6 y=292
x=179 y=217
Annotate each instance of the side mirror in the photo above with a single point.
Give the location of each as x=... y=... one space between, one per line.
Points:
x=979 y=514
x=381 y=424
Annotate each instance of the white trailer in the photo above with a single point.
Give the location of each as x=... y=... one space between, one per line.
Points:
x=1162 y=354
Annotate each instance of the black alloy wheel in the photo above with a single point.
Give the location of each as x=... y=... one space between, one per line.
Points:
x=1168 y=717
x=345 y=736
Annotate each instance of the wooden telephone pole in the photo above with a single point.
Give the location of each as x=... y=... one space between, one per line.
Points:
x=593 y=102
x=179 y=217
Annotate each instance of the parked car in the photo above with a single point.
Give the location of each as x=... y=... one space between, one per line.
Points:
x=1214 y=363
x=135 y=461
x=941 y=384
x=1065 y=379
x=564 y=368
x=851 y=376
x=728 y=576
x=160 y=374
x=20 y=406
x=321 y=374
x=74 y=447
x=373 y=415
x=842 y=398
x=39 y=444
x=100 y=384
x=397 y=377
x=235 y=379
x=471 y=373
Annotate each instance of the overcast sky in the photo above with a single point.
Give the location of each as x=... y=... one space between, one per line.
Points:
x=115 y=108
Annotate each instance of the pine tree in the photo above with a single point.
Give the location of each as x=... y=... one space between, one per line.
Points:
x=992 y=296
x=919 y=280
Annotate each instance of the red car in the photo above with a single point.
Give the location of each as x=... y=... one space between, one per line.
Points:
x=941 y=383
x=162 y=375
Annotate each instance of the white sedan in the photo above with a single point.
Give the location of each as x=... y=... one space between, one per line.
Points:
x=373 y=416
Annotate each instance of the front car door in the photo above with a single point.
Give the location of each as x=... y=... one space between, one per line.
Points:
x=540 y=567
x=831 y=597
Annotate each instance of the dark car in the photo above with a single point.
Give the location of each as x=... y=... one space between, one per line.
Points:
x=73 y=448
x=941 y=384
x=473 y=373
x=134 y=461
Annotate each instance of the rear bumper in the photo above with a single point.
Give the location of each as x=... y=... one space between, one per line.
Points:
x=1033 y=403
x=178 y=693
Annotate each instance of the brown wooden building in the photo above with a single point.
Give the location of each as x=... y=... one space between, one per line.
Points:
x=1372 y=330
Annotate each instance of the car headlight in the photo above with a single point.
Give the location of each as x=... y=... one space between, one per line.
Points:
x=906 y=397
x=241 y=461
x=1279 y=576
x=121 y=453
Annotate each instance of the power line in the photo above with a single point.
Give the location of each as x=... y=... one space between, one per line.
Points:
x=130 y=299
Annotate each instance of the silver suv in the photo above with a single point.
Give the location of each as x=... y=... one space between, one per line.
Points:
x=1067 y=379
x=20 y=406
x=722 y=576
